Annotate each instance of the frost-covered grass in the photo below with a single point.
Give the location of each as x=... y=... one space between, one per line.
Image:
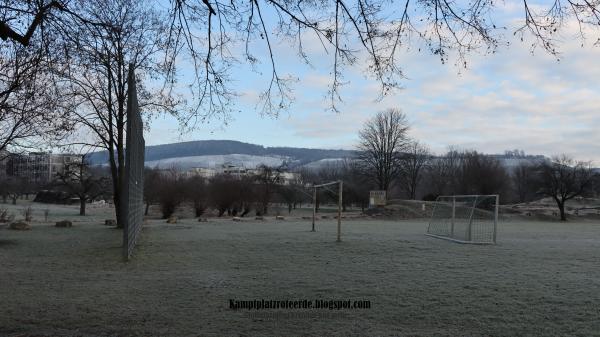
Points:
x=543 y=278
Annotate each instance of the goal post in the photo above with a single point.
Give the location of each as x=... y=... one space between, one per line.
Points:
x=339 y=193
x=465 y=218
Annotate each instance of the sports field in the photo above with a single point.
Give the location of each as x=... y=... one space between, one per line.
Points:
x=542 y=279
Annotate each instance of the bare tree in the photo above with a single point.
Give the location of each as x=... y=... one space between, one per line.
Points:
x=268 y=179
x=413 y=163
x=480 y=174
x=443 y=172
x=95 y=78
x=196 y=191
x=31 y=112
x=86 y=183
x=369 y=33
x=27 y=16
x=217 y=35
x=291 y=194
x=15 y=187
x=382 y=140
x=523 y=179
x=563 y=179
x=222 y=190
x=170 y=192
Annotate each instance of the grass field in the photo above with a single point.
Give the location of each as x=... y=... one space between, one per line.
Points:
x=542 y=279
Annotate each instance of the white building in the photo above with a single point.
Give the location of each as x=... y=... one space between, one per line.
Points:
x=39 y=166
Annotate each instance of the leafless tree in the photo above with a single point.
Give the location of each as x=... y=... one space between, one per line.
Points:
x=268 y=178
x=95 y=76
x=31 y=112
x=170 y=191
x=413 y=164
x=523 y=179
x=196 y=192
x=442 y=172
x=466 y=172
x=83 y=181
x=563 y=179
x=291 y=194
x=382 y=140
x=15 y=187
x=481 y=174
x=21 y=19
x=371 y=33
x=221 y=193
x=218 y=35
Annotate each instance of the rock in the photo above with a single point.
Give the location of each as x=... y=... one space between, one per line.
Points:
x=19 y=226
x=110 y=222
x=202 y=220
x=259 y=218
x=279 y=217
x=172 y=219
x=235 y=218
x=324 y=217
x=64 y=223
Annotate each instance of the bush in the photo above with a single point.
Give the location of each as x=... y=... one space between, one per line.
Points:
x=169 y=193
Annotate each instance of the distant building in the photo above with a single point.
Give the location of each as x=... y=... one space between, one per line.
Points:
x=206 y=173
x=39 y=167
x=235 y=171
x=3 y=163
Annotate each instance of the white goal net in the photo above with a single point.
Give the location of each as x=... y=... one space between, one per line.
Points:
x=465 y=218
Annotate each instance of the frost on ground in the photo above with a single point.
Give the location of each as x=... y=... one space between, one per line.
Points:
x=543 y=278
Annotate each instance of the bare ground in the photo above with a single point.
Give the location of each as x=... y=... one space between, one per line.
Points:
x=542 y=279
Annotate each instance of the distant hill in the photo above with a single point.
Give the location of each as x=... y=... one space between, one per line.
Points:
x=204 y=153
x=213 y=153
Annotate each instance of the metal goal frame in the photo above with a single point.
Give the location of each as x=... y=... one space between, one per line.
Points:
x=339 y=212
x=447 y=223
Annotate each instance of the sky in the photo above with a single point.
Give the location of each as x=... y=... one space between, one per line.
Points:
x=513 y=99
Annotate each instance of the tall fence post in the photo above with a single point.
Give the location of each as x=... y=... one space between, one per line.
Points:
x=496 y=217
x=314 y=207
x=453 y=216
x=339 y=224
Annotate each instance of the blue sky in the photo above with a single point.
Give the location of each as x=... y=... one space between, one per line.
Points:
x=511 y=99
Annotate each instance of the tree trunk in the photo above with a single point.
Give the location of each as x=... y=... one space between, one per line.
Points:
x=147 y=208
x=561 y=208
x=81 y=206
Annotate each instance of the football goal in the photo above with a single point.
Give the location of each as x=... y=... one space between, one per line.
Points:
x=327 y=186
x=465 y=218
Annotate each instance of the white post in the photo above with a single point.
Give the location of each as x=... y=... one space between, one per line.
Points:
x=314 y=208
x=496 y=217
x=470 y=229
x=339 y=224
x=453 y=216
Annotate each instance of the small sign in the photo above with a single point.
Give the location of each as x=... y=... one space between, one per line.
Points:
x=377 y=198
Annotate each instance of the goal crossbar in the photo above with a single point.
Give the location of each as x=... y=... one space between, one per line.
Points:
x=465 y=218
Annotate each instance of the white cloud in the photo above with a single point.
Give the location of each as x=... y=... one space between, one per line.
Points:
x=511 y=99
